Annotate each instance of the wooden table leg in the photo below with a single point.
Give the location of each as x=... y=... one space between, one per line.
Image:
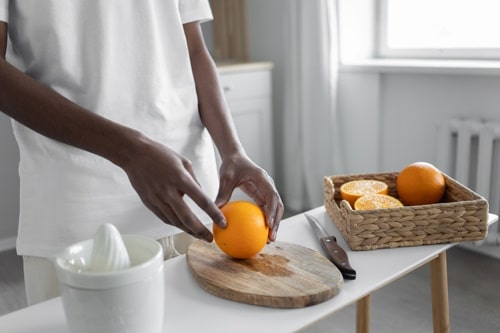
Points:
x=363 y=315
x=439 y=290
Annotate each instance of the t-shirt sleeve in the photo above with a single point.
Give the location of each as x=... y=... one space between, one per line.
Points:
x=4 y=10
x=194 y=10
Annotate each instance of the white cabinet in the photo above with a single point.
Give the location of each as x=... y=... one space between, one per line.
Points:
x=249 y=95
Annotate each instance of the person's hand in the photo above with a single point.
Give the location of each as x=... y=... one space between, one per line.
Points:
x=239 y=171
x=162 y=177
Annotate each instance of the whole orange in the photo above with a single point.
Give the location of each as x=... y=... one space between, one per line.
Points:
x=420 y=183
x=246 y=232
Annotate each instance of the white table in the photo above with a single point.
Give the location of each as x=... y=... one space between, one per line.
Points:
x=190 y=309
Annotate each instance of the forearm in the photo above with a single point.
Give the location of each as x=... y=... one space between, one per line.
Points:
x=213 y=107
x=48 y=113
x=3 y=39
x=236 y=170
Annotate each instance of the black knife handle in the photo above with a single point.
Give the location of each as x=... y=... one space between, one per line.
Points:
x=338 y=256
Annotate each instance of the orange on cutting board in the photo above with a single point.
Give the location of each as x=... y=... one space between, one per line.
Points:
x=376 y=201
x=246 y=232
x=420 y=183
x=355 y=189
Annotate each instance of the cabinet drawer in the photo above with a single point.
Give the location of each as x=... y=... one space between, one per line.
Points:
x=246 y=84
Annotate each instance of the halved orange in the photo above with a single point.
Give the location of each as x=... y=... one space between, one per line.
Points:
x=355 y=189
x=376 y=201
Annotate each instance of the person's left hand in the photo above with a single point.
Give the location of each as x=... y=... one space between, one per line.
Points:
x=239 y=171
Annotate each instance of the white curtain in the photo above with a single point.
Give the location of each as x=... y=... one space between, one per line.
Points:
x=311 y=142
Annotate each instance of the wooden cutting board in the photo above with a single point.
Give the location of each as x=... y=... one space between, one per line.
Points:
x=283 y=275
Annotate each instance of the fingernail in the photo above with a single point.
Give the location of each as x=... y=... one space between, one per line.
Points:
x=222 y=223
x=274 y=233
x=271 y=223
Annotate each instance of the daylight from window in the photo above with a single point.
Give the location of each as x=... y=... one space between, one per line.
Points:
x=443 y=24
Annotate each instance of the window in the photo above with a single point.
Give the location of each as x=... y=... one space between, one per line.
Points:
x=466 y=29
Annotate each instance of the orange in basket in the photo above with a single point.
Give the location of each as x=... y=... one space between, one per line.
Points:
x=355 y=189
x=376 y=201
x=420 y=183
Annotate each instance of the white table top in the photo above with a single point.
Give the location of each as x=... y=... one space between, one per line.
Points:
x=191 y=309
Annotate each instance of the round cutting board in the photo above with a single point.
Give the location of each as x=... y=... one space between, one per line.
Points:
x=282 y=275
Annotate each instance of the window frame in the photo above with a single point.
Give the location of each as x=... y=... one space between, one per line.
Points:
x=384 y=51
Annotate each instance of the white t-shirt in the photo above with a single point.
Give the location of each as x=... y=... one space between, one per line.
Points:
x=126 y=60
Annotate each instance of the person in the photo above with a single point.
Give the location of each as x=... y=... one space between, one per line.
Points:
x=116 y=108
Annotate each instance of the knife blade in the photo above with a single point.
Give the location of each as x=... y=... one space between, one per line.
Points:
x=334 y=252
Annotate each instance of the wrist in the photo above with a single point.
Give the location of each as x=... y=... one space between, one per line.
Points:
x=232 y=152
x=126 y=146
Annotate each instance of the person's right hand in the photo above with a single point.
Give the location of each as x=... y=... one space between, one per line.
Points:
x=162 y=177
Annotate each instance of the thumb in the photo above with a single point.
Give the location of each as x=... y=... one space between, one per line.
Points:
x=224 y=194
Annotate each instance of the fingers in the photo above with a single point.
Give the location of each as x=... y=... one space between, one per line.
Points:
x=161 y=177
x=274 y=212
x=262 y=190
x=182 y=218
x=226 y=187
x=208 y=206
x=196 y=194
x=171 y=208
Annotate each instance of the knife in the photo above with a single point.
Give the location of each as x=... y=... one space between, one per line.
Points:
x=334 y=252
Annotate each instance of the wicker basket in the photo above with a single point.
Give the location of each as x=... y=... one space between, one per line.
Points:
x=461 y=216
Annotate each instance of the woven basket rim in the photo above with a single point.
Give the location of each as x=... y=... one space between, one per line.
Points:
x=448 y=179
x=471 y=213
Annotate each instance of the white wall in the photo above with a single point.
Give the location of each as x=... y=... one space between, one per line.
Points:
x=389 y=119
x=411 y=105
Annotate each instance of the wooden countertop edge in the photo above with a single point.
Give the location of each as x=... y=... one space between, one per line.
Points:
x=229 y=67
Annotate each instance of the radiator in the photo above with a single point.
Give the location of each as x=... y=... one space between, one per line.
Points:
x=468 y=150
